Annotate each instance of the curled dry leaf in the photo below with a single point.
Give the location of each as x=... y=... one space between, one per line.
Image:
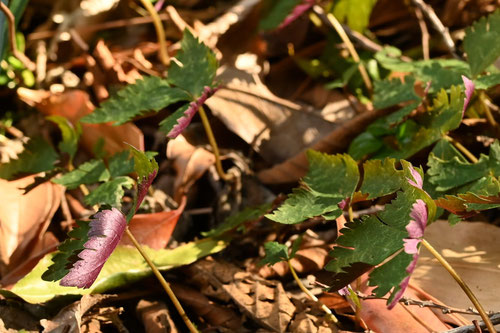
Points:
x=75 y=104
x=155 y=229
x=190 y=163
x=24 y=218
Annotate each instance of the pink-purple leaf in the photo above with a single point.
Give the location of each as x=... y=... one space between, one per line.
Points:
x=174 y=125
x=297 y=12
x=417 y=180
x=106 y=231
x=415 y=230
x=469 y=90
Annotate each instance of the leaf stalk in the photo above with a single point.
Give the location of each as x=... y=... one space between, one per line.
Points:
x=160 y=31
x=330 y=316
x=163 y=282
x=213 y=143
x=464 y=150
x=462 y=284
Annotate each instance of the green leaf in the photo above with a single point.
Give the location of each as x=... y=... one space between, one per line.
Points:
x=381 y=178
x=388 y=276
x=37 y=156
x=90 y=172
x=446 y=151
x=355 y=13
x=109 y=193
x=275 y=253
x=67 y=252
x=197 y=66
x=331 y=175
x=481 y=42
x=144 y=165
x=231 y=222
x=123 y=267
x=70 y=135
x=276 y=12
x=296 y=245
x=330 y=179
x=121 y=164
x=303 y=204
x=389 y=93
x=149 y=94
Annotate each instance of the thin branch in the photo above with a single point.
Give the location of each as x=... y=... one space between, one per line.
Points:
x=12 y=38
x=430 y=14
x=425 y=33
x=462 y=148
x=495 y=319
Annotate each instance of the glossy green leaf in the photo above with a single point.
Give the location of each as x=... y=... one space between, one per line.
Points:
x=149 y=94
x=123 y=267
x=37 y=156
x=389 y=93
x=481 y=42
x=90 y=172
x=110 y=192
x=121 y=164
x=197 y=66
x=143 y=164
x=381 y=178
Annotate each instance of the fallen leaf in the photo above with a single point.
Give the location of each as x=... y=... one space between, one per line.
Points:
x=265 y=301
x=69 y=318
x=155 y=317
x=75 y=104
x=24 y=218
x=336 y=141
x=155 y=229
x=471 y=248
x=189 y=162
x=276 y=128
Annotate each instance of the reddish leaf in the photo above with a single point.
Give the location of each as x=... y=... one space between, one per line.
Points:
x=469 y=90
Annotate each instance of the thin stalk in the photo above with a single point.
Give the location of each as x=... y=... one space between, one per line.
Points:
x=464 y=150
x=340 y=30
x=11 y=21
x=163 y=282
x=160 y=32
x=487 y=111
x=462 y=284
x=213 y=143
x=328 y=312
x=351 y=214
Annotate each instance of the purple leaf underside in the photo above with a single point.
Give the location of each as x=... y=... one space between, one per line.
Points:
x=106 y=231
x=193 y=108
x=143 y=186
x=296 y=12
x=469 y=90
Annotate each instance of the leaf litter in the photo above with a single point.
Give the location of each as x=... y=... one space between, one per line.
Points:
x=269 y=104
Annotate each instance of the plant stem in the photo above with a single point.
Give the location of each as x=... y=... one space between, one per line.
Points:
x=462 y=284
x=213 y=143
x=487 y=111
x=340 y=30
x=163 y=53
x=329 y=313
x=460 y=147
x=163 y=282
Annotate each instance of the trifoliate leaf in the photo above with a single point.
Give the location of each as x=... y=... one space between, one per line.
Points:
x=481 y=42
x=90 y=172
x=195 y=66
x=381 y=178
x=276 y=12
x=389 y=93
x=37 y=156
x=149 y=94
x=106 y=231
x=70 y=135
x=275 y=253
x=110 y=193
x=121 y=164
x=330 y=179
x=233 y=221
x=355 y=13
x=178 y=121
x=67 y=252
